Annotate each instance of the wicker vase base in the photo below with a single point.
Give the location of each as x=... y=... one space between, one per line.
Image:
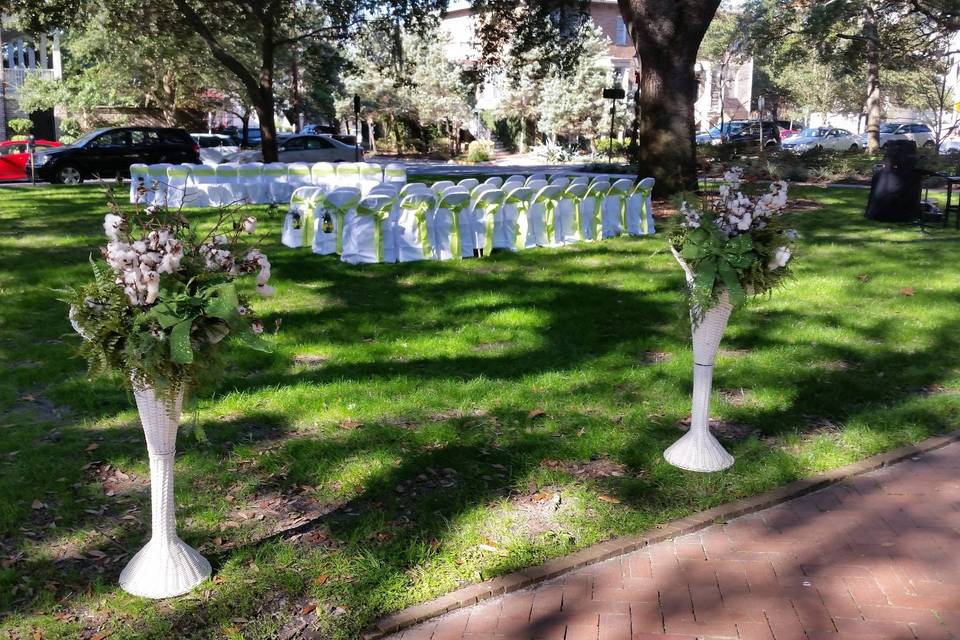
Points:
x=698 y=451
x=164 y=569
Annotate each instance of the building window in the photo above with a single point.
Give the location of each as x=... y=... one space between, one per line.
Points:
x=621 y=37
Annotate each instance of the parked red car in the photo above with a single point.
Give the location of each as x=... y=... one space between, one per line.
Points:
x=14 y=157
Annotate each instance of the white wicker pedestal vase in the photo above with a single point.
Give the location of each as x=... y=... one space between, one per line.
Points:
x=165 y=566
x=699 y=450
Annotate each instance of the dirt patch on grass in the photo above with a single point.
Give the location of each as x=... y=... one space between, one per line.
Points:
x=485 y=347
x=802 y=205
x=838 y=365
x=657 y=357
x=736 y=397
x=725 y=430
x=310 y=360
x=272 y=513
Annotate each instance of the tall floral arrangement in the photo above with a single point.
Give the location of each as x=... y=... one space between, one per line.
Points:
x=165 y=294
x=734 y=242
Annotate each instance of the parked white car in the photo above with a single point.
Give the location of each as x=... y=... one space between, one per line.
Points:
x=819 y=139
x=215 y=147
x=920 y=133
x=307 y=148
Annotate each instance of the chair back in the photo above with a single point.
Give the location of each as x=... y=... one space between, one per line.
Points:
x=549 y=192
x=519 y=194
x=577 y=190
x=395 y=172
x=495 y=181
x=375 y=201
x=342 y=196
x=306 y=197
x=580 y=180
x=622 y=186
x=488 y=197
x=598 y=188
x=227 y=172
x=348 y=174
x=414 y=187
x=323 y=174
x=536 y=185
x=413 y=200
x=469 y=183
x=647 y=183
x=371 y=172
x=534 y=177
x=452 y=197
x=441 y=185
x=560 y=181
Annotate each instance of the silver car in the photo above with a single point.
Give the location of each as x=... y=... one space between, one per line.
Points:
x=918 y=132
x=820 y=138
x=307 y=148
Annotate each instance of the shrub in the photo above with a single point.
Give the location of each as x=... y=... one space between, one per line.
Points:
x=553 y=153
x=20 y=126
x=789 y=168
x=603 y=146
x=479 y=151
x=69 y=128
x=19 y=138
x=68 y=139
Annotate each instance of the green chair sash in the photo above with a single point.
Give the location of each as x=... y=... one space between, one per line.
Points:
x=420 y=207
x=646 y=192
x=379 y=214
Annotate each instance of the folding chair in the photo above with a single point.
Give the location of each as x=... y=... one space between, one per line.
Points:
x=591 y=207
x=299 y=224
x=364 y=229
x=445 y=223
x=395 y=172
x=331 y=213
x=533 y=177
x=228 y=183
x=513 y=233
x=440 y=186
x=202 y=188
x=299 y=175
x=412 y=232
x=543 y=210
x=571 y=227
x=348 y=174
x=177 y=177
x=275 y=178
x=495 y=181
x=323 y=175
x=485 y=205
x=157 y=180
x=250 y=176
x=469 y=183
x=370 y=175
x=640 y=208
x=615 y=208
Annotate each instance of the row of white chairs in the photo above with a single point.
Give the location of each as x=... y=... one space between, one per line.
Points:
x=201 y=185
x=444 y=221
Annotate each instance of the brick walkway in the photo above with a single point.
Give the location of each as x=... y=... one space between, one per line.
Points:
x=875 y=557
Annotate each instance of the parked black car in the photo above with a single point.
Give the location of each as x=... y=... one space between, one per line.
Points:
x=106 y=153
x=748 y=138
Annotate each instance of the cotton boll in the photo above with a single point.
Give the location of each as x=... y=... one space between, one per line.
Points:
x=779 y=260
x=139 y=246
x=221 y=240
x=744 y=223
x=250 y=224
x=112 y=224
x=153 y=286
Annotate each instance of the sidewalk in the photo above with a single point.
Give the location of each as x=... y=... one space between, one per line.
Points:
x=874 y=557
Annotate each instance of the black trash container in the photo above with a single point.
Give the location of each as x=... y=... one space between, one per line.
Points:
x=895 y=191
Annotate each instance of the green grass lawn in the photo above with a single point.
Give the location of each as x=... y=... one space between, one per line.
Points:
x=423 y=426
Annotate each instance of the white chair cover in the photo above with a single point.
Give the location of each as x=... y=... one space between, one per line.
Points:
x=370 y=175
x=615 y=208
x=445 y=223
x=366 y=230
x=299 y=224
x=348 y=174
x=537 y=177
x=560 y=178
x=414 y=187
x=298 y=175
x=640 y=208
x=177 y=177
x=469 y=183
x=543 y=215
x=483 y=211
x=440 y=186
x=495 y=181
x=157 y=184
x=569 y=222
x=512 y=227
x=585 y=180
x=412 y=232
x=275 y=176
x=515 y=178
x=323 y=175
x=250 y=177
x=395 y=172
x=331 y=215
x=139 y=184
x=228 y=178
x=202 y=188
x=591 y=223
x=513 y=182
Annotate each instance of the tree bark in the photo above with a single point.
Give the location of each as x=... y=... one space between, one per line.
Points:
x=873 y=77
x=667 y=36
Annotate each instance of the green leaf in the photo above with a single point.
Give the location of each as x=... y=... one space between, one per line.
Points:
x=180 y=349
x=254 y=341
x=224 y=304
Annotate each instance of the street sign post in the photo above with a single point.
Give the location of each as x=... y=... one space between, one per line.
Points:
x=760 y=103
x=616 y=93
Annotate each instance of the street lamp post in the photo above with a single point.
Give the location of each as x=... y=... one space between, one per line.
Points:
x=616 y=93
x=760 y=103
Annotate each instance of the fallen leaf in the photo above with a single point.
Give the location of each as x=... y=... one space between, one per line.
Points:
x=92 y=447
x=319 y=580
x=217 y=580
x=218 y=541
x=434 y=544
x=102 y=635
x=38 y=635
x=347 y=425
x=36 y=504
x=308 y=608
x=610 y=499
x=863 y=277
x=906 y=291
x=536 y=413
x=231 y=630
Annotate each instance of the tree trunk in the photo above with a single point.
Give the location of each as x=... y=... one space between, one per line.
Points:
x=667 y=35
x=873 y=77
